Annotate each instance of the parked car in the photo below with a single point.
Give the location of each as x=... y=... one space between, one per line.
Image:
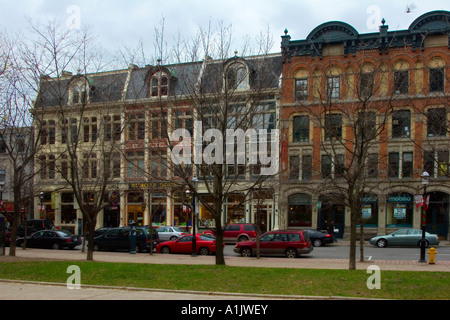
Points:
x=54 y=239
x=100 y=231
x=119 y=239
x=169 y=233
x=34 y=225
x=290 y=243
x=319 y=238
x=205 y=245
x=404 y=237
x=236 y=232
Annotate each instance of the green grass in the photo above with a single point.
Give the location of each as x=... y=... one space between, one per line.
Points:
x=394 y=284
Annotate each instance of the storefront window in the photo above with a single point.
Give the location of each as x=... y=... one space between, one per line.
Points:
x=158 y=209
x=369 y=210
x=182 y=208
x=235 y=208
x=399 y=211
x=300 y=214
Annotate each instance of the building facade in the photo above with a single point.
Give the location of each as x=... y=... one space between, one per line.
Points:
x=118 y=124
x=396 y=83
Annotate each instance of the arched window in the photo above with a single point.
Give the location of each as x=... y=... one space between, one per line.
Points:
x=159 y=85
x=237 y=77
x=78 y=93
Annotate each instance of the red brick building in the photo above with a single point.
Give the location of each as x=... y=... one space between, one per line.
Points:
x=397 y=84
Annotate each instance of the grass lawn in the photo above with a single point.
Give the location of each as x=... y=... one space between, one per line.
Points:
x=394 y=284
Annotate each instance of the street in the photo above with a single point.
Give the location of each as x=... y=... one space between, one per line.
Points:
x=342 y=251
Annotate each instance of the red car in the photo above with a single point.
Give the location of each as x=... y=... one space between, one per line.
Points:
x=290 y=243
x=205 y=244
x=236 y=232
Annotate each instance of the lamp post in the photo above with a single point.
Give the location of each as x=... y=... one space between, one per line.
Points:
x=425 y=182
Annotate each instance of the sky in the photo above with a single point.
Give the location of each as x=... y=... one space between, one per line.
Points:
x=116 y=23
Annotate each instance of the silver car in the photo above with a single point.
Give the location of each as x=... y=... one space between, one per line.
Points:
x=169 y=233
x=404 y=237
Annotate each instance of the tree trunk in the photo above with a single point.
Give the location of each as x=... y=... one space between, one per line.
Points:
x=220 y=258
x=90 y=250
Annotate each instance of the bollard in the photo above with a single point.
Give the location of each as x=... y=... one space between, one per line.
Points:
x=432 y=252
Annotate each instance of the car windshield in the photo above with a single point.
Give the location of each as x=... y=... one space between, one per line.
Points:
x=177 y=229
x=206 y=237
x=63 y=233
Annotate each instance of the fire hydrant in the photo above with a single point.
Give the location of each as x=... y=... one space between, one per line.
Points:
x=432 y=252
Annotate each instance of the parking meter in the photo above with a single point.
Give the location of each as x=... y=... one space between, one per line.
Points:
x=2 y=234
x=133 y=238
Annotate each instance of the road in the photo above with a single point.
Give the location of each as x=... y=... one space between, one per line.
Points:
x=342 y=251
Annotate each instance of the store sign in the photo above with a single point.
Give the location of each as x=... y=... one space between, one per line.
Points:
x=400 y=198
x=154 y=185
x=366 y=211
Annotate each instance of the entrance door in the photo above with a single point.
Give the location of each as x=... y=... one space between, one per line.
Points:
x=332 y=214
x=135 y=215
x=261 y=220
x=438 y=214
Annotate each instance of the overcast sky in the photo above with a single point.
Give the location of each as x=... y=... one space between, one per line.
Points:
x=117 y=22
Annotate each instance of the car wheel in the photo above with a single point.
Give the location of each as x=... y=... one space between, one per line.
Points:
x=291 y=253
x=173 y=238
x=203 y=251
x=382 y=243
x=165 y=250
x=246 y=252
x=55 y=246
x=317 y=242
x=242 y=238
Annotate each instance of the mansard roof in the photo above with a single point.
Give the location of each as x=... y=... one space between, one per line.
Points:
x=133 y=84
x=337 y=32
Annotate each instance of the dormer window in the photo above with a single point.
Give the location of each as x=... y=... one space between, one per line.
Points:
x=237 y=77
x=159 y=85
x=78 y=93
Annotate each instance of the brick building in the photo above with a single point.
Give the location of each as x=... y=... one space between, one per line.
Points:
x=397 y=84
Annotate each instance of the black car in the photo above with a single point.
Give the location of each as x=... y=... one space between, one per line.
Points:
x=33 y=226
x=50 y=239
x=119 y=239
x=319 y=238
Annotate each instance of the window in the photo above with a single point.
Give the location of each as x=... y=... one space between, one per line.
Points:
x=333 y=126
x=158 y=163
x=333 y=87
x=407 y=165
x=183 y=119
x=78 y=93
x=436 y=80
x=326 y=166
x=401 y=82
x=406 y=168
x=158 y=123
x=306 y=167
x=112 y=128
x=301 y=89
x=366 y=85
x=401 y=124
x=135 y=164
x=136 y=126
x=366 y=127
x=437 y=122
x=372 y=165
x=294 y=167
x=237 y=77
x=436 y=163
x=90 y=130
x=300 y=130
x=159 y=85
x=393 y=165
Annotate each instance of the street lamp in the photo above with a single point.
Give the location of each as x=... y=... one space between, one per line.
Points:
x=425 y=182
